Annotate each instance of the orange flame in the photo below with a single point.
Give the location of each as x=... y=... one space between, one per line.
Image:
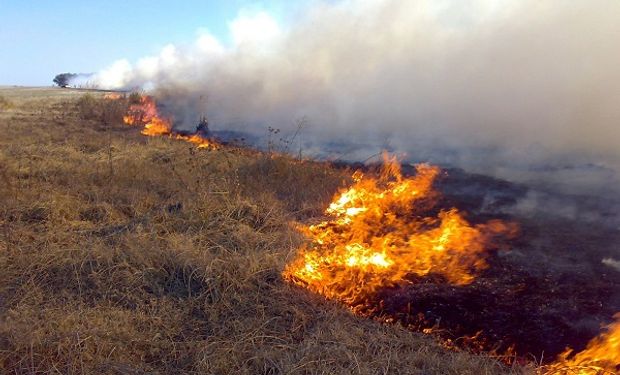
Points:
x=146 y=114
x=601 y=356
x=112 y=96
x=377 y=234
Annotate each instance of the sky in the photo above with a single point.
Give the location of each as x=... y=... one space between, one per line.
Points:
x=485 y=84
x=39 y=39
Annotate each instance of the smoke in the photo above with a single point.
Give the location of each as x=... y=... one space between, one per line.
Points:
x=610 y=262
x=495 y=86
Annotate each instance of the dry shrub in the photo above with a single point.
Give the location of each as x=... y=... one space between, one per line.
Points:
x=87 y=107
x=106 y=111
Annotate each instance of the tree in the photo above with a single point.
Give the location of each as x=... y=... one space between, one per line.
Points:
x=63 y=79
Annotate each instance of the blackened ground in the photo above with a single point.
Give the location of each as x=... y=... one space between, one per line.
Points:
x=542 y=292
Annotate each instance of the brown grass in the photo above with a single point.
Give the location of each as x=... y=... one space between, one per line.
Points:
x=5 y=103
x=123 y=254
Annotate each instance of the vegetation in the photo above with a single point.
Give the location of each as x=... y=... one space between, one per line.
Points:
x=4 y=103
x=64 y=79
x=123 y=254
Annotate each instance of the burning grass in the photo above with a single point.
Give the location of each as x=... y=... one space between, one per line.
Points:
x=129 y=254
x=601 y=356
x=143 y=112
x=124 y=253
x=387 y=252
x=383 y=230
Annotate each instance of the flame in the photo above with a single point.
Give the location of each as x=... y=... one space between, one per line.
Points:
x=378 y=233
x=112 y=96
x=145 y=114
x=601 y=355
x=199 y=141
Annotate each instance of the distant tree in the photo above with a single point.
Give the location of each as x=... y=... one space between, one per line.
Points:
x=63 y=79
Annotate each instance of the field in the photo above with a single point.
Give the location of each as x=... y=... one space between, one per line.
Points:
x=123 y=254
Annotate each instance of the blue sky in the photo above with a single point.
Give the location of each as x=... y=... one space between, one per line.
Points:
x=39 y=39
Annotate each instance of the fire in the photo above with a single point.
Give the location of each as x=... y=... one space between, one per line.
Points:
x=601 y=356
x=145 y=114
x=112 y=96
x=199 y=141
x=382 y=230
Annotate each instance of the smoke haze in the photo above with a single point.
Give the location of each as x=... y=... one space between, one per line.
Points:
x=493 y=86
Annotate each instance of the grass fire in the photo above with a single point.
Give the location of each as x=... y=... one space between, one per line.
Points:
x=384 y=231
x=407 y=248
x=145 y=113
x=307 y=187
x=601 y=356
x=380 y=232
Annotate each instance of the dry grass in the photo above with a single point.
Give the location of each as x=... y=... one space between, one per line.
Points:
x=5 y=103
x=122 y=254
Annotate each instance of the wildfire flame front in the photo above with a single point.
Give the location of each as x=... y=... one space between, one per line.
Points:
x=379 y=232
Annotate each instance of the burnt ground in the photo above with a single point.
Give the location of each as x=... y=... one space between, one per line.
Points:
x=545 y=290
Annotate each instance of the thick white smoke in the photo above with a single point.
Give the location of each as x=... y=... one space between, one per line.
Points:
x=468 y=82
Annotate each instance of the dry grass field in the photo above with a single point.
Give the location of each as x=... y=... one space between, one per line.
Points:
x=123 y=254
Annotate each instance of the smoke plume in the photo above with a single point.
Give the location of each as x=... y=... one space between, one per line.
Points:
x=495 y=86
